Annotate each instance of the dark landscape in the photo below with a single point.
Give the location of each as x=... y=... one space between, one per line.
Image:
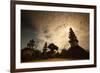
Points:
x=54 y=36
x=75 y=52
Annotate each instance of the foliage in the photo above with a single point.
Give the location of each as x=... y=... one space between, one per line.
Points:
x=52 y=47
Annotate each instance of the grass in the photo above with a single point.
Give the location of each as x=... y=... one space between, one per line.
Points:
x=50 y=59
x=39 y=60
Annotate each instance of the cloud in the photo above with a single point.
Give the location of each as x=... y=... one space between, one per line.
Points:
x=46 y=26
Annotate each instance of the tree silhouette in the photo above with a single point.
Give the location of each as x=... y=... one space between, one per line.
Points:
x=45 y=47
x=72 y=38
x=52 y=47
x=44 y=53
x=75 y=51
x=31 y=44
x=64 y=53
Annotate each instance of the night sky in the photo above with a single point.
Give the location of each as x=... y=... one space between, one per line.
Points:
x=53 y=27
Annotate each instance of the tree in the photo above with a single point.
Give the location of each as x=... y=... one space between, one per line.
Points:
x=45 y=48
x=72 y=38
x=31 y=44
x=64 y=53
x=75 y=51
x=52 y=47
x=44 y=53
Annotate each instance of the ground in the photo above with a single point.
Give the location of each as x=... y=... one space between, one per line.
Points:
x=50 y=59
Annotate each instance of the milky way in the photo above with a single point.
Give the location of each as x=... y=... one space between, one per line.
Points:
x=53 y=27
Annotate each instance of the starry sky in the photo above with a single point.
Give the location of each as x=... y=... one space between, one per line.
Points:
x=53 y=27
